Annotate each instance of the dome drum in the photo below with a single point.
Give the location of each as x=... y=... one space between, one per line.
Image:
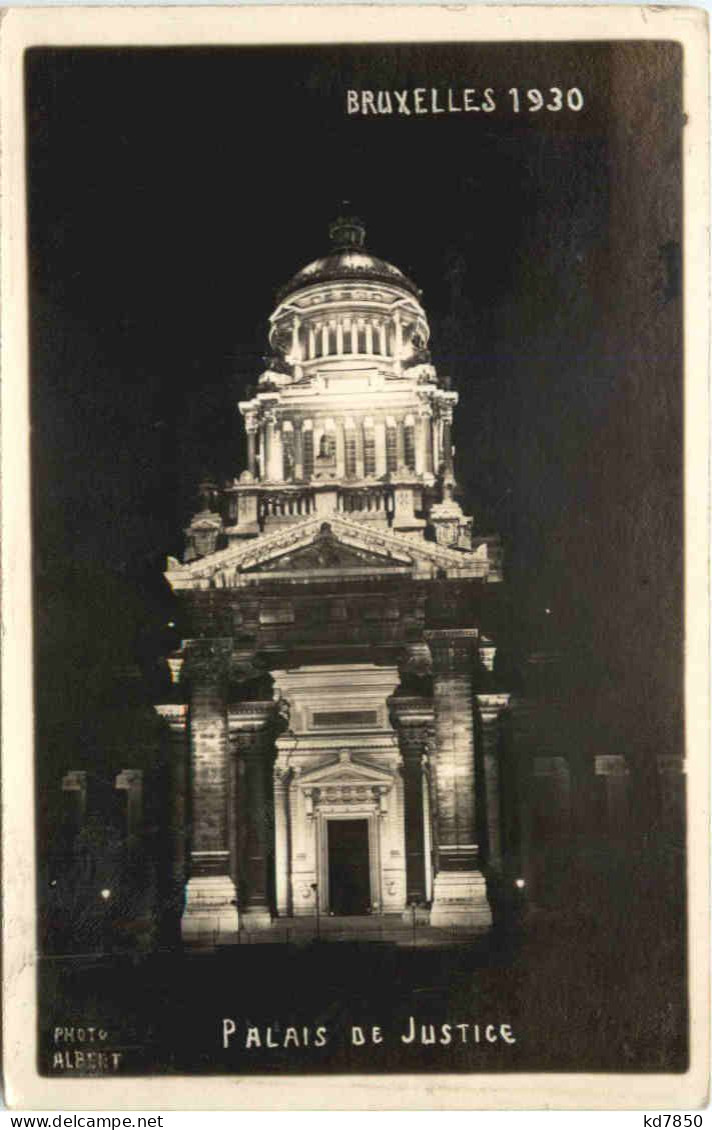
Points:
x=349 y=415
x=347 y=322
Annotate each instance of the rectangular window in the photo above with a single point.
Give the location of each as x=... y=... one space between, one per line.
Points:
x=350 y=452
x=391 y=449
x=288 y=454
x=369 y=452
x=409 y=446
x=326 y=719
x=308 y=453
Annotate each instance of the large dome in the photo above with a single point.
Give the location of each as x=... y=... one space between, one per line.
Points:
x=348 y=260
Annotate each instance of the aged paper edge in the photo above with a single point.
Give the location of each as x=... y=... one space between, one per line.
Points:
x=23 y=28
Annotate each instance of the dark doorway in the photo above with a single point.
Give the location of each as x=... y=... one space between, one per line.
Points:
x=349 y=880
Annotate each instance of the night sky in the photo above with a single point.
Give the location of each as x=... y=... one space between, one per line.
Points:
x=172 y=192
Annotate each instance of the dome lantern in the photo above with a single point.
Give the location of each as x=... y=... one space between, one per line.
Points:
x=347 y=233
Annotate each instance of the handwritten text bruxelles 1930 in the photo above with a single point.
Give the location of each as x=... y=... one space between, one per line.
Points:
x=279 y=1036
x=466 y=100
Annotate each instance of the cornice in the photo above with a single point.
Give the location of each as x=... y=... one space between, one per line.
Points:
x=174 y=713
x=251 y=715
x=410 y=711
x=490 y=705
x=446 y=635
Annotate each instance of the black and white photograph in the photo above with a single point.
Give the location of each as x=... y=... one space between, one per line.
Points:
x=356 y=399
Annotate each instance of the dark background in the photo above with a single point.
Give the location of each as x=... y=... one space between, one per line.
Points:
x=171 y=192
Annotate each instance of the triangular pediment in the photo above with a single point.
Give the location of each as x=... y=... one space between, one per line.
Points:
x=326 y=551
x=346 y=770
x=312 y=547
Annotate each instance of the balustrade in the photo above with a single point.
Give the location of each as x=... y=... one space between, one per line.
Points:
x=373 y=500
x=286 y=504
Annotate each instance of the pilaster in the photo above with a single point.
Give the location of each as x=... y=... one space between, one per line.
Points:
x=74 y=786
x=380 y=446
x=490 y=708
x=671 y=784
x=251 y=739
x=460 y=895
x=273 y=438
x=176 y=716
x=210 y=914
x=412 y=718
x=614 y=771
x=131 y=782
x=281 y=839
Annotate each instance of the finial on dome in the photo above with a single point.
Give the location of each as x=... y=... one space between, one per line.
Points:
x=347 y=232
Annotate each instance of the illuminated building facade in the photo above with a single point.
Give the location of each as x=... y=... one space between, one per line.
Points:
x=338 y=742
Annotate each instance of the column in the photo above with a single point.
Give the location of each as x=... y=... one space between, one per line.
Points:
x=274 y=451
x=295 y=338
x=340 y=461
x=669 y=845
x=490 y=708
x=251 y=426
x=428 y=434
x=447 y=439
x=427 y=819
x=74 y=786
x=398 y=327
x=382 y=339
x=671 y=786
x=615 y=773
x=380 y=445
x=339 y=336
x=263 y=452
x=411 y=718
x=437 y=446
x=210 y=915
x=400 y=444
x=281 y=839
x=173 y=883
x=312 y=343
x=325 y=339
x=131 y=781
x=421 y=459
x=253 y=746
x=359 y=449
x=460 y=895
x=369 y=336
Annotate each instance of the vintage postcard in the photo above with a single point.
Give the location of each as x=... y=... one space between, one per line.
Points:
x=355 y=541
